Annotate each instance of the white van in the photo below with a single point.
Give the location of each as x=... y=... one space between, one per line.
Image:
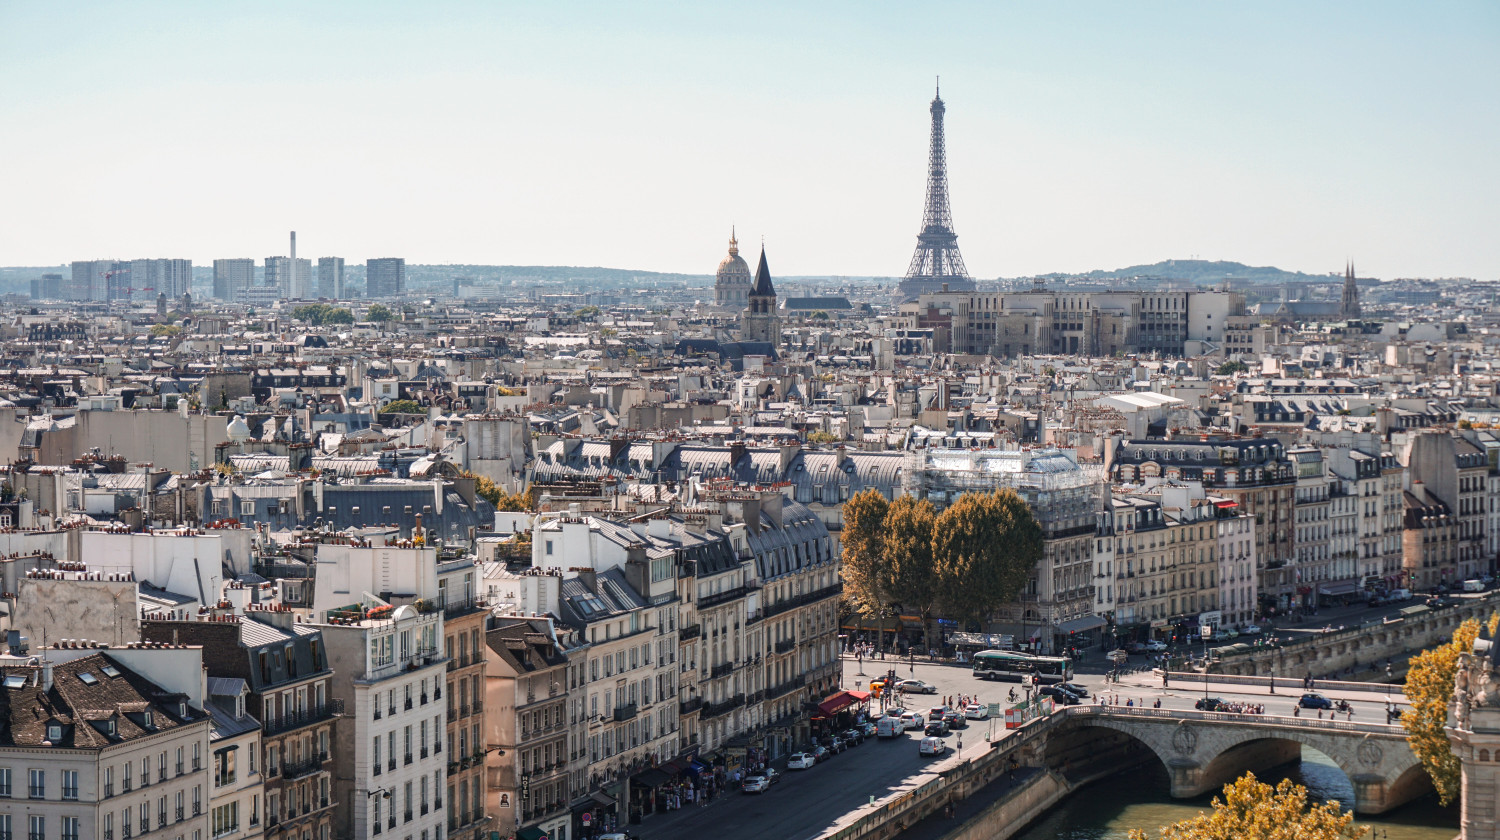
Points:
x=1400 y=594
x=1473 y=586
x=889 y=727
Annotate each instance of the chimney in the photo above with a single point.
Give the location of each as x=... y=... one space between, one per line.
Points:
x=46 y=674
x=1419 y=490
x=588 y=576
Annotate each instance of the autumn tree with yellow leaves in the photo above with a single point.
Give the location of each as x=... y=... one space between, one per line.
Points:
x=1253 y=810
x=1429 y=687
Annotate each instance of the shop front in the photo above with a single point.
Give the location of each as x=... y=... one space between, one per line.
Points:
x=1075 y=635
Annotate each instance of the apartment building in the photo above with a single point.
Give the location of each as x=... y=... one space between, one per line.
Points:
x=1252 y=472
x=392 y=771
x=527 y=746
x=1313 y=563
x=238 y=788
x=105 y=743
x=288 y=685
x=464 y=615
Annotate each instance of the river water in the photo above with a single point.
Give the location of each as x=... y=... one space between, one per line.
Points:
x=1108 y=809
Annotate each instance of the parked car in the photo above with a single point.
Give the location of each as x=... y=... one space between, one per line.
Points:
x=755 y=783
x=937 y=728
x=1250 y=630
x=820 y=754
x=1208 y=704
x=867 y=729
x=1135 y=648
x=1059 y=694
x=955 y=721
x=913 y=720
x=976 y=711
x=932 y=746
x=1075 y=688
x=1312 y=700
x=853 y=737
x=801 y=761
x=916 y=687
x=1155 y=646
x=834 y=744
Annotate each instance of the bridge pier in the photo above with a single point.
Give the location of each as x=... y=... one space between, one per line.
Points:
x=1190 y=778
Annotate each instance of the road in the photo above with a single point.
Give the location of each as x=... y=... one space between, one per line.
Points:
x=807 y=802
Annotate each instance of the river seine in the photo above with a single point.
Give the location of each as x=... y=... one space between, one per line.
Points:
x=1108 y=809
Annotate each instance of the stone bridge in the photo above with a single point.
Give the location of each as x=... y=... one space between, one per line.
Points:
x=1204 y=750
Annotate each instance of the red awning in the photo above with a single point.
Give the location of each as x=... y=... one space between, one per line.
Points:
x=836 y=703
x=859 y=696
x=1222 y=505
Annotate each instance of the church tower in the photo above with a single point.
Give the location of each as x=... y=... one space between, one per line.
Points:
x=1349 y=303
x=760 y=321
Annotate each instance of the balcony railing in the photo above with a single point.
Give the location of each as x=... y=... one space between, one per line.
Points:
x=689 y=706
x=723 y=669
x=717 y=598
x=689 y=632
x=456 y=607
x=785 y=645
x=786 y=688
x=296 y=720
x=715 y=709
x=803 y=599
x=297 y=769
x=626 y=712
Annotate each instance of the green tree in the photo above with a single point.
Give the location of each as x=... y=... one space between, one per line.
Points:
x=167 y=330
x=1429 y=687
x=907 y=560
x=984 y=547
x=1253 y=810
x=820 y=436
x=319 y=314
x=402 y=407
x=378 y=313
x=1231 y=367
x=584 y=313
x=493 y=493
x=866 y=581
x=820 y=315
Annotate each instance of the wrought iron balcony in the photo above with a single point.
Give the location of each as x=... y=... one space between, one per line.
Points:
x=626 y=712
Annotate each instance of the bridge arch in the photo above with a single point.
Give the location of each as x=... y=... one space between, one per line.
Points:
x=1201 y=752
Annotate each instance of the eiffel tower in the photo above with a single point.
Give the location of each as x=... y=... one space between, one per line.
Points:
x=936 y=262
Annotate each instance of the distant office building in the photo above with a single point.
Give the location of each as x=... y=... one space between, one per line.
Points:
x=290 y=276
x=385 y=277
x=172 y=278
x=97 y=280
x=47 y=287
x=331 y=277
x=232 y=278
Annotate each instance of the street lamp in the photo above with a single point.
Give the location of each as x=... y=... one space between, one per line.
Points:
x=1205 y=630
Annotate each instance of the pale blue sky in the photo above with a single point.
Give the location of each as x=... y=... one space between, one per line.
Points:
x=1080 y=135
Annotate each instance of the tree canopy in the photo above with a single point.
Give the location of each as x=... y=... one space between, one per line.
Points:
x=907 y=558
x=984 y=547
x=1231 y=367
x=318 y=314
x=1429 y=687
x=379 y=313
x=402 y=407
x=493 y=493
x=864 y=520
x=1253 y=810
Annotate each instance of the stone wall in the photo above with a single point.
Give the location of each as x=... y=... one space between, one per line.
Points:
x=1324 y=653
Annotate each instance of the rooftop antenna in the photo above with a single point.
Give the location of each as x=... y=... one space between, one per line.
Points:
x=938 y=88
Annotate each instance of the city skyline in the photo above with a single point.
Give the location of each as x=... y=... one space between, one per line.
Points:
x=1091 y=138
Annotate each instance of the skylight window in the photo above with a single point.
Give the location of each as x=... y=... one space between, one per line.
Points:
x=15 y=681
x=110 y=671
x=88 y=678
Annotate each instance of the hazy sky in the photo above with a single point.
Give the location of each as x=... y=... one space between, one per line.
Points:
x=1080 y=135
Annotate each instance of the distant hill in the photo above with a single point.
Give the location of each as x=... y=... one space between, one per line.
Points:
x=1198 y=272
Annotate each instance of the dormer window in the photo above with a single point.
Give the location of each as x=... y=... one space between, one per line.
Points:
x=54 y=732
x=149 y=718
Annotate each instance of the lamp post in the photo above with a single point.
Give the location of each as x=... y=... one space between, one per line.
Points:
x=1205 y=631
